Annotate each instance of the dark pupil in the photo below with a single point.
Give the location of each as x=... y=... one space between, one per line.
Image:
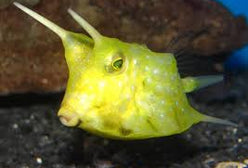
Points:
x=118 y=64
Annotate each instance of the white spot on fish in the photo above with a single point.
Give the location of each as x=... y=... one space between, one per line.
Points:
x=161 y=115
x=120 y=84
x=101 y=84
x=155 y=71
x=83 y=98
x=147 y=68
x=159 y=88
x=133 y=88
x=148 y=57
x=86 y=100
x=148 y=80
x=135 y=62
x=127 y=96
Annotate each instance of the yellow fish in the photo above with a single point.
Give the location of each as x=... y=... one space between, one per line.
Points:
x=124 y=90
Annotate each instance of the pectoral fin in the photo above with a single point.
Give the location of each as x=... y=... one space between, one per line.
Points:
x=193 y=83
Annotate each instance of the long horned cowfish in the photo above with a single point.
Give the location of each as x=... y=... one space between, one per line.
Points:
x=123 y=90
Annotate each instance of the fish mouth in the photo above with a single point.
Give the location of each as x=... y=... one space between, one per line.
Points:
x=69 y=119
x=67 y=122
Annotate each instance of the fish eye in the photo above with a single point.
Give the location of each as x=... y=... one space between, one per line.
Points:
x=117 y=64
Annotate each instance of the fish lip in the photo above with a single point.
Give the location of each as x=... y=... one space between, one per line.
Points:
x=72 y=120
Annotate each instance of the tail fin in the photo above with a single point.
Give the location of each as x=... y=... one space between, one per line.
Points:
x=206 y=118
x=199 y=117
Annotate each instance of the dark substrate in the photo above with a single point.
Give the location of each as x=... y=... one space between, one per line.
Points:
x=32 y=136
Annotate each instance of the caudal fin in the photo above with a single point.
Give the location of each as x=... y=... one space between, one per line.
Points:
x=216 y=120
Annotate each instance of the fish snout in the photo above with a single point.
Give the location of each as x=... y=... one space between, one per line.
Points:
x=68 y=118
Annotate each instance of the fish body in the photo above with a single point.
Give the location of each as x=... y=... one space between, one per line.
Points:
x=144 y=98
x=123 y=90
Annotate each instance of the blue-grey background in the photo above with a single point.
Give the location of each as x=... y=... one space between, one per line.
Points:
x=239 y=59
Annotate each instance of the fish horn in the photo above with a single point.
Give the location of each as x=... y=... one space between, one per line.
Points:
x=82 y=22
x=55 y=28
